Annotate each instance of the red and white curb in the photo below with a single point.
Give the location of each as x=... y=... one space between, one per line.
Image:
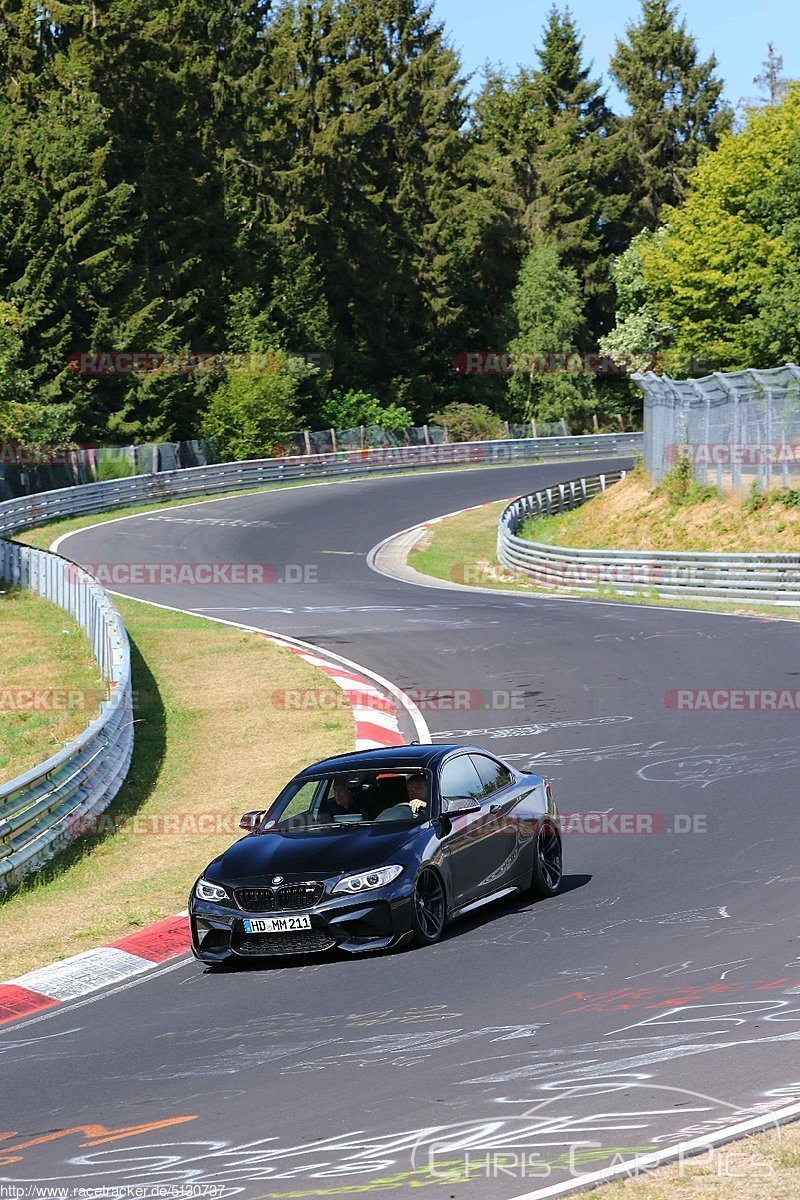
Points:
x=93 y=969
x=375 y=713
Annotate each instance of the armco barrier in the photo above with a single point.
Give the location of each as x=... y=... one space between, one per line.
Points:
x=27 y=511
x=765 y=578
x=39 y=809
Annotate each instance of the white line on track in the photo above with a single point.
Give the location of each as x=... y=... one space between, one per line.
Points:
x=533 y=598
x=55 y=547
x=646 y=1162
x=69 y=1006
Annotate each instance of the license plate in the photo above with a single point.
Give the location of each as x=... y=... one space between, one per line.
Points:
x=276 y=924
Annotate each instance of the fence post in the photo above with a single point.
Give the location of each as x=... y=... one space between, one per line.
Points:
x=333 y=441
x=307 y=441
x=768 y=398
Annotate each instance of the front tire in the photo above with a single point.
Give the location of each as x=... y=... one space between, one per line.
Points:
x=547 y=871
x=429 y=911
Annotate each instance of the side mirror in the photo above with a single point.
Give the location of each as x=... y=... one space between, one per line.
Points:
x=459 y=806
x=251 y=820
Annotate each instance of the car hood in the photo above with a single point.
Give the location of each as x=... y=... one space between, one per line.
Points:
x=316 y=854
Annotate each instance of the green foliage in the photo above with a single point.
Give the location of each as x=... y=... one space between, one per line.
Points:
x=346 y=410
x=113 y=466
x=638 y=335
x=757 y=500
x=680 y=487
x=560 y=147
x=468 y=422
x=23 y=419
x=724 y=272
x=297 y=176
x=304 y=176
x=249 y=411
x=548 y=321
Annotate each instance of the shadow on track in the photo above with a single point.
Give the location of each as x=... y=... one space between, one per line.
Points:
x=477 y=920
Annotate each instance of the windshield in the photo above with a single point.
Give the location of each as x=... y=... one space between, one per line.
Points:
x=359 y=798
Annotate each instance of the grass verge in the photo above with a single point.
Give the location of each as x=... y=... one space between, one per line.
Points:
x=765 y=1166
x=462 y=549
x=635 y=515
x=212 y=740
x=50 y=689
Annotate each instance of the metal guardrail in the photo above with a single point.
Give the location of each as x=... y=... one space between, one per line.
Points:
x=41 y=810
x=763 y=578
x=28 y=511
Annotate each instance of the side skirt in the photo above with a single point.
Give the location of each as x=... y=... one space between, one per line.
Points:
x=490 y=899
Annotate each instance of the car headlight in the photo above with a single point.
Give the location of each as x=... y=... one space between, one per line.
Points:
x=210 y=891
x=352 y=885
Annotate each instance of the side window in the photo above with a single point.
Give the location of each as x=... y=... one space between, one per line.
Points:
x=459 y=778
x=493 y=774
x=301 y=802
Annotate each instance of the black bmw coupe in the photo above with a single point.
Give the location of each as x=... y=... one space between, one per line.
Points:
x=376 y=848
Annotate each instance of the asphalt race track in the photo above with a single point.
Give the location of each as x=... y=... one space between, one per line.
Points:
x=655 y=1000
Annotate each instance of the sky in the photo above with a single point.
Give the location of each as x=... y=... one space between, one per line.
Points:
x=737 y=31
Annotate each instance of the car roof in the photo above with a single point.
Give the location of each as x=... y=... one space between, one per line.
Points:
x=414 y=755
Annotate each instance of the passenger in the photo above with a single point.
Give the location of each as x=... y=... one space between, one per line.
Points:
x=342 y=800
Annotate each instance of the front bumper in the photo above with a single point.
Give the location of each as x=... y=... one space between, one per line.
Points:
x=354 y=924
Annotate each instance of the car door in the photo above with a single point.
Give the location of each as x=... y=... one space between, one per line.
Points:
x=499 y=801
x=469 y=840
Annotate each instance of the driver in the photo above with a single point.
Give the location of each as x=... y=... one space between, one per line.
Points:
x=417 y=793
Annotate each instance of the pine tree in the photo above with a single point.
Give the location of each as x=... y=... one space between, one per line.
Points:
x=676 y=106
x=580 y=200
x=564 y=150
x=374 y=183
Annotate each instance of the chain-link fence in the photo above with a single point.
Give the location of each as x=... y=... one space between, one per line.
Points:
x=25 y=470
x=734 y=428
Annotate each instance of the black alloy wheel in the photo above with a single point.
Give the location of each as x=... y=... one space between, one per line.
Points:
x=430 y=908
x=547 y=862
